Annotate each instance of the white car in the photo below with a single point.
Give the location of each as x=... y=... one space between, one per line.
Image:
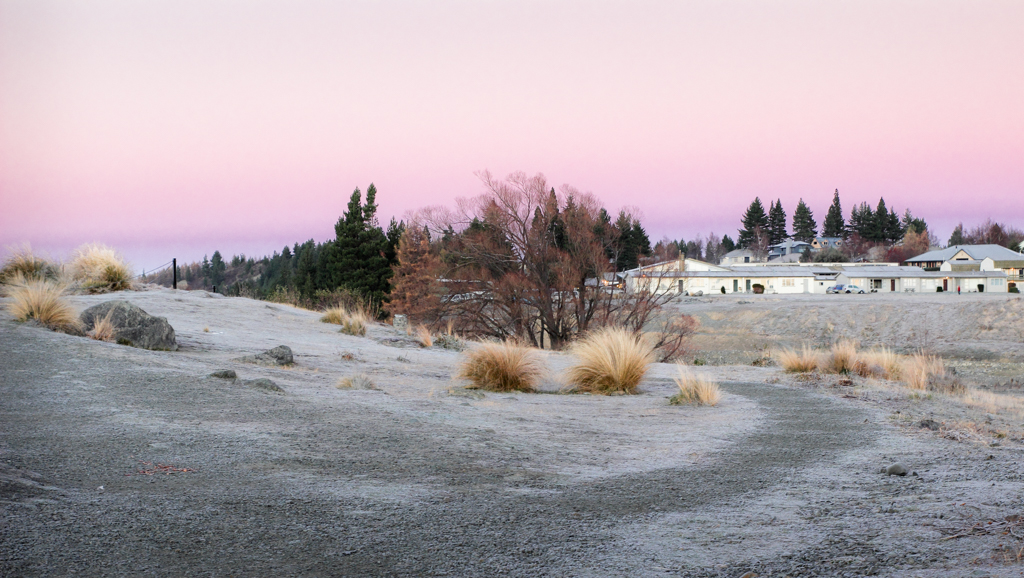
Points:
x=853 y=289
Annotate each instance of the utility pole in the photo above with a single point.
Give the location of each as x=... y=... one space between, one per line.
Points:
x=174 y=268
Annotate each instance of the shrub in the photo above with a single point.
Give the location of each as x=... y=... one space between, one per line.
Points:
x=501 y=366
x=352 y=321
x=610 y=361
x=758 y=288
x=803 y=361
x=26 y=264
x=423 y=337
x=723 y=290
x=938 y=289
x=43 y=301
x=99 y=269
x=695 y=389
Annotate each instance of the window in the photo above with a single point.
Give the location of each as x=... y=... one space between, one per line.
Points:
x=876 y=283
x=996 y=282
x=789 y=283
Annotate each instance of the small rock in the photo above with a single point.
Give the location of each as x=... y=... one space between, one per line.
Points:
x=929 y=424
x=280 y=355
x=224 y=374
x=464 y=392
x=132 y=325
x=401 y=322
x=265 y=384
x=896 y=470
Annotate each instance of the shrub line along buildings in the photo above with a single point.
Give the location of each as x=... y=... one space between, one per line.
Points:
x=977 y=268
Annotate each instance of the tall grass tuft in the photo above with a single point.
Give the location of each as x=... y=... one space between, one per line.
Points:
x=695 y=389
x=353 y=321
x=99 y=269
x=42 y=300
x=103 y=329
x=501 y=366
x=610 y=361
x=841 y=358
x=28 y=265
x=423 y=337
x=803 y=361
x=919 y=369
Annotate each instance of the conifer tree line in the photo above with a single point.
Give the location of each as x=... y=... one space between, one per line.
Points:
x=880 y=224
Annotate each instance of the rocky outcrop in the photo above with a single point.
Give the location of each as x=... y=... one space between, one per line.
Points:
x=132 y=325
x=280 y=355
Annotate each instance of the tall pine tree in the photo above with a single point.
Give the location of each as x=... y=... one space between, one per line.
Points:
x=804 y=226
x=957 y=238
x=834 y=225
x=357 y=258
x=777 y=223
x=755 y=218
x=862 y=222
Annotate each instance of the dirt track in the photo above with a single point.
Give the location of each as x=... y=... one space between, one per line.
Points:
x=415 y=481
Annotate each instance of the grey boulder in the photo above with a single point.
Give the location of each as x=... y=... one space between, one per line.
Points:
x=896 y=470
x=280 y=355
x=132 y=325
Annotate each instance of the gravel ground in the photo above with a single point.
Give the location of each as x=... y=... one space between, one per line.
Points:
x=118 y=461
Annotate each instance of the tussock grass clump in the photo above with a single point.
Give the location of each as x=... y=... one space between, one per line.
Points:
x=695 y=389
x=423 y=337
x=99 y=269
x=841 y=358
x=42 y=300
x=352 y=321
x=501 y=366
x=26 y=264
x=360 y=381
x=919 y=369
x=103 y=329
x=886 y=363
x=803 y=361
x=610 y=361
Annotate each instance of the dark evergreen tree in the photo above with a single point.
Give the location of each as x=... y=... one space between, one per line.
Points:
x=205 y=271
x=804 y=226
x=633 y=242
x=912 y=223
x=728 y=245
x=957 y=238
x=217 y=268
x=394 y=235
x=862 y=222
x=777 y=223
x=834 y=225
x=754 y=218
x=357 y=258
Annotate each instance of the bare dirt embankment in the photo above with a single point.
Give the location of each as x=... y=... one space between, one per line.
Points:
x=115 y=460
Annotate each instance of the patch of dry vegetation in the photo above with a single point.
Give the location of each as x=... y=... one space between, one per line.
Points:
x=26 y=264
x=423 y=337
x=501 y=366
x=695 y=389
x=103 y=329
x=100 y=268
x=610 y=360
x=42 y=300
x=353 y=321
x=360 y=381
x=804 y=361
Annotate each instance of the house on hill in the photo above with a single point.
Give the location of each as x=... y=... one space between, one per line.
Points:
x=963 y=258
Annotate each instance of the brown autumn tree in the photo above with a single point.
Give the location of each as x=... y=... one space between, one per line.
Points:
x=415 y=289
x=526 y=262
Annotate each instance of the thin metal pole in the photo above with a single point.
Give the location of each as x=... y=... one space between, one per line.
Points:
x=174 y=267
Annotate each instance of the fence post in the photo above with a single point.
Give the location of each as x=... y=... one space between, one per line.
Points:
x=174 y=267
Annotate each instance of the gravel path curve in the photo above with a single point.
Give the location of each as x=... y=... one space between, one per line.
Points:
x=280 y=486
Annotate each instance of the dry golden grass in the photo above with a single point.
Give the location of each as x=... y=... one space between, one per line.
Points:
x=803 y=361
x=103 y=329
x=993 y=402
x=695 y=389
x=885 y=363
x=100 y=268
x=919 y=368
x=501 y=366
x=42 y=300
x=610 y=361
x=28 y=265
x=841 y=358
x=359 y=381
x=352 y=321
x=423 y=337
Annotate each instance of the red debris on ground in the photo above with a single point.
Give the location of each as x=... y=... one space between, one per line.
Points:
x=159 y=469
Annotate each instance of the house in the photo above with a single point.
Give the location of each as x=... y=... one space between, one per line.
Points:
x=789 y=250
x=689 y=276
x=824 y=243
x=739 y=256
x=963 y=258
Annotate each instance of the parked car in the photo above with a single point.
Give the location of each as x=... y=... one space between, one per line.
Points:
x=852 y=289
x=836 y=289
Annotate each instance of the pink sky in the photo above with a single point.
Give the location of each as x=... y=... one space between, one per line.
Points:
x=176 y=128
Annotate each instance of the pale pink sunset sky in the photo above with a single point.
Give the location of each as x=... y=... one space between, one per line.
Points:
x=175 y=128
